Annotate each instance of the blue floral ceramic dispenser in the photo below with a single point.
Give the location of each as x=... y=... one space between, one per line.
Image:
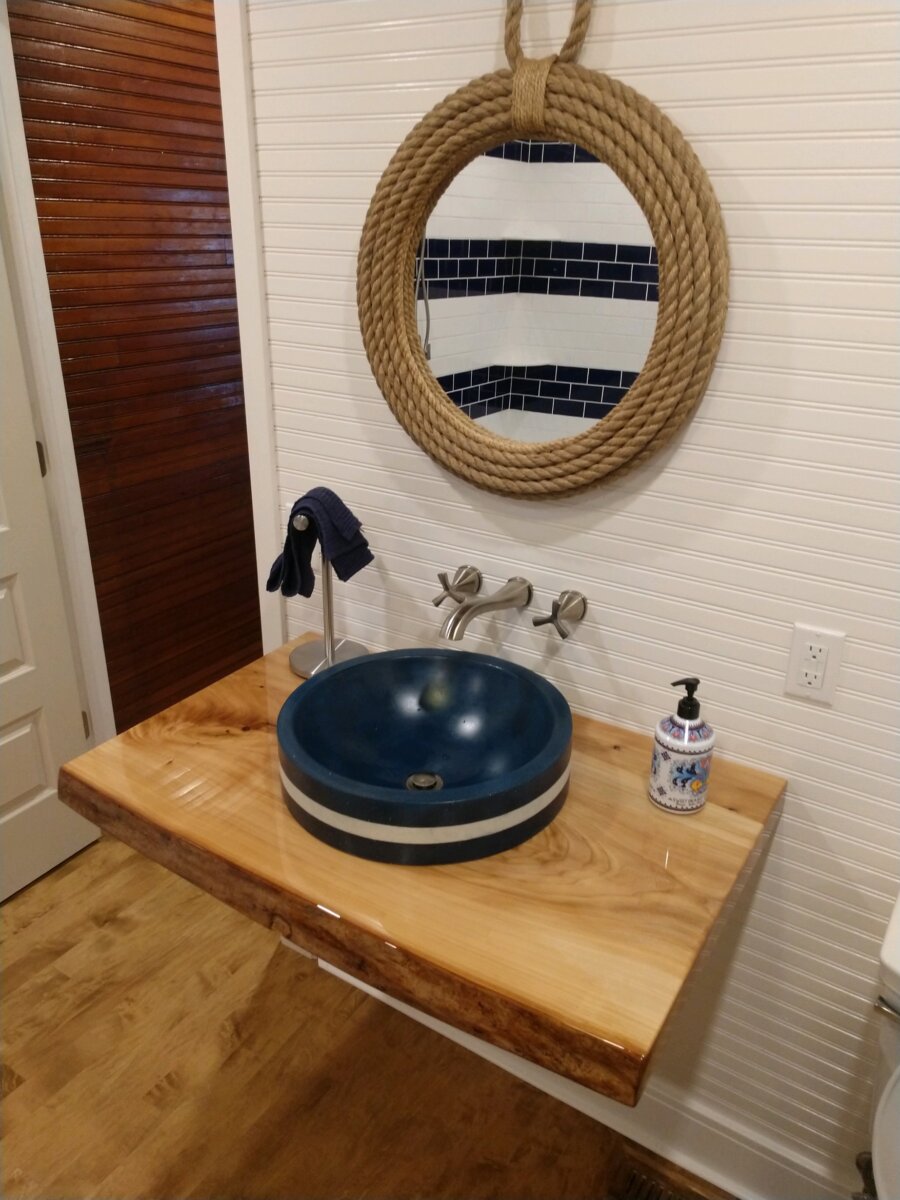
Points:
x=682 y=755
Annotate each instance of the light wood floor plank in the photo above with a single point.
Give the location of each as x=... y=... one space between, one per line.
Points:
x=159 y=1046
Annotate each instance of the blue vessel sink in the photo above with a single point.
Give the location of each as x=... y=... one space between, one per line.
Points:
x=425 y=756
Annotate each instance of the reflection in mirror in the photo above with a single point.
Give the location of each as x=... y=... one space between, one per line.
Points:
x=537 y=290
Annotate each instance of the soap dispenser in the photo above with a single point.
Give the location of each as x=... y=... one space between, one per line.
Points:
x=682 y=755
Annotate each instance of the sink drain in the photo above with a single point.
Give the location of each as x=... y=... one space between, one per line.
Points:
x=424 y=781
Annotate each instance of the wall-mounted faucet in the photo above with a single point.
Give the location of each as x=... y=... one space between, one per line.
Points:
x=515 y=593
x=566 y=611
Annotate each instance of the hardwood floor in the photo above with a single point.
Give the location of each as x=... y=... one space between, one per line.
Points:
x=158 y=1045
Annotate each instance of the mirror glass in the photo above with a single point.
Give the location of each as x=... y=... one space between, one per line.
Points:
x=536 y=289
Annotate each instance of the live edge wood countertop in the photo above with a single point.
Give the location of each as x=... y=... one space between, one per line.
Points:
x=569 y=950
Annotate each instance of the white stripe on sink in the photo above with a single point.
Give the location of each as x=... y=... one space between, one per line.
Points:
x=419 y=835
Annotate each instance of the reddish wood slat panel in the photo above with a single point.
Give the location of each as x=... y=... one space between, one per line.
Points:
x=171 y=368
x=69 y=264
x=73 y=280
x=176 y=227
x=119 y=172
x=91 y=135
x=101 y=51
x=132 y=209
x=136 y=318
x=79 y=112
x=95 y=420
x=107 y=467
x=201 y=348
x=117 y=19
x=193 y=15
x=214 y=507
x=199 y=374
x=56 y=189
x=142 y=500
x=196 y=108
x=71 y=155
x=177 y=343
x=55 y=75
x=123 y=123
x=158 y=698
x=146 y=243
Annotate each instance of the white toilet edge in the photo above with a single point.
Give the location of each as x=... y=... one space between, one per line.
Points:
x=885 y=1143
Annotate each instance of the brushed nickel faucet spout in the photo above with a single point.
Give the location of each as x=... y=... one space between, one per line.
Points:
x=515 y=593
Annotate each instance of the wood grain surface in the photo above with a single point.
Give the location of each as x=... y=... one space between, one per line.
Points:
x=570 y=949
x=159 y=1046
x=124 y=130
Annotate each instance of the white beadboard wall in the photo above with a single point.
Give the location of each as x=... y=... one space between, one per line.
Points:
x=775 y=505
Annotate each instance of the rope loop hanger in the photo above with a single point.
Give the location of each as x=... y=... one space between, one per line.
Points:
x=571 y=47
x=554 y=99
x=530 y=75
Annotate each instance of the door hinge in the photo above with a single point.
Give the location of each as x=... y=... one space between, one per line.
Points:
x=86 y=722
x=42 y=458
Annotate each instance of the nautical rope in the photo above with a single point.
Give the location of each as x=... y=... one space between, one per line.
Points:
x=561 y=101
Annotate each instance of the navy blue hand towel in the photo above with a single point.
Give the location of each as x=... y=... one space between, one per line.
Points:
x=333 y=524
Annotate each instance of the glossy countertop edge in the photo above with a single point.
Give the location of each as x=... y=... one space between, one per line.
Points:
x=605 y=1066
x=614 y=1070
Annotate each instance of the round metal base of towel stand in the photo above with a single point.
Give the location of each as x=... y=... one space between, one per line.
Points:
x=307 y=660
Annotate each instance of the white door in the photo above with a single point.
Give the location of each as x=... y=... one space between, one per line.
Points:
x=41 y=724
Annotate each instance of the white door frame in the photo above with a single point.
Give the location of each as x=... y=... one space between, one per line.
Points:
x=31 y=295
x=239 y=128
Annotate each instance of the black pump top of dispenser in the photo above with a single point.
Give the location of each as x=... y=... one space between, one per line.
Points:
x=688 y=706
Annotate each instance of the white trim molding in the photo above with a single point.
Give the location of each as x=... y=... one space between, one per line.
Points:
x=31 y=296
x=239 y=123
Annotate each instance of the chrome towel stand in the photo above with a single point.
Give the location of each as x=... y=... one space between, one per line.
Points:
x=312 y=657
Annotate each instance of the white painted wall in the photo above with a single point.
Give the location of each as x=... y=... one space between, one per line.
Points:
x=775 y=505
x=522 y=425
x=570 y=202
x=524 y=330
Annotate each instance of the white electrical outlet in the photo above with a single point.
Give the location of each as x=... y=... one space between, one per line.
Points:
x=815 y=652
x=812 y=676
x=814 y=662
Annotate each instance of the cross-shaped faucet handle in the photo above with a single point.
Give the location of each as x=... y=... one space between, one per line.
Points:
x=466 y=581
x=569 y=609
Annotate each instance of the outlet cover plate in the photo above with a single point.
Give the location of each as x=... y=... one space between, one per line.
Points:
x=814 y=663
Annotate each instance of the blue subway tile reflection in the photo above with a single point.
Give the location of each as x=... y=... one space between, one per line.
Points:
x=492 y=266
x=542 y=387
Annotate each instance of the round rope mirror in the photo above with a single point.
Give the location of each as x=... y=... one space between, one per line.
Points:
x=554 y=99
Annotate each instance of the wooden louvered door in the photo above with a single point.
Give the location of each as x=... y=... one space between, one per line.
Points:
x=120 y=100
